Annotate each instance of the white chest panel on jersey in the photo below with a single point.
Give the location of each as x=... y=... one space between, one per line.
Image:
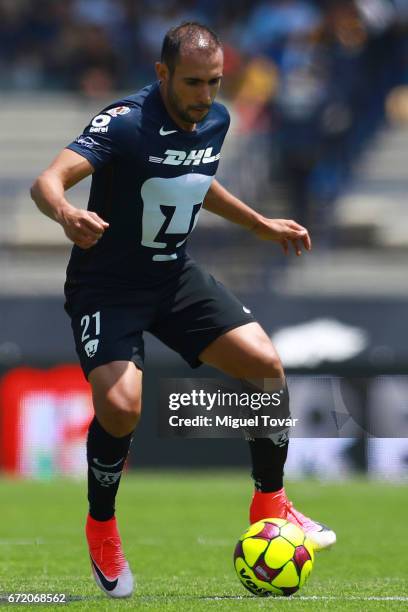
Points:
x=170 y=210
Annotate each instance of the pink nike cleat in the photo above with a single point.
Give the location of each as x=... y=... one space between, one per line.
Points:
x=109 y=566
x=277 y=505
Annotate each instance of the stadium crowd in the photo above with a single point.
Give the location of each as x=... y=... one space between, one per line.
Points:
x=314 y=74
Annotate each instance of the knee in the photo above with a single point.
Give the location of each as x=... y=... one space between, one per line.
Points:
x=262 y=362
x=124 y=403
x=270 y=364
x=120 y=410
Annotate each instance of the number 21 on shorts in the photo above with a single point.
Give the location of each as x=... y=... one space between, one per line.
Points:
x=89 y=324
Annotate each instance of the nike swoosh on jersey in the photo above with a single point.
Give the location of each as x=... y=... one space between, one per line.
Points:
x=164 y=132
x=109 y=585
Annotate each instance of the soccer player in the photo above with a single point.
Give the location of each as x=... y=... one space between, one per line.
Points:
x=153 y=157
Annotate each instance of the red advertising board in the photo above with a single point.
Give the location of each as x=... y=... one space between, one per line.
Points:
x=44 y=417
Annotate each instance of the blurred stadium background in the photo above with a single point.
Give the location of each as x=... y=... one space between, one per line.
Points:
x=318 y=93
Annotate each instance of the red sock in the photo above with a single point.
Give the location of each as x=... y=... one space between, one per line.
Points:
x=267 y=505
x=101 y=528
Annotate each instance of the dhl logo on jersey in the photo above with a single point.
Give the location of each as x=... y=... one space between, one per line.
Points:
x=194 y=157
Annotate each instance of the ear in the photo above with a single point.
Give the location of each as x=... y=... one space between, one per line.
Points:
x=162 y=71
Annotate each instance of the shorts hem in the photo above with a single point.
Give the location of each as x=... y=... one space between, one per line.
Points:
x=138 y=363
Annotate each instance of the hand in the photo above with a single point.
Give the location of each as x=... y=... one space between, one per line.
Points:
x=285 y=232
x=83 y=227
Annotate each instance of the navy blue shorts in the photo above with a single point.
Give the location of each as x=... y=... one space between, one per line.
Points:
x=187 y=312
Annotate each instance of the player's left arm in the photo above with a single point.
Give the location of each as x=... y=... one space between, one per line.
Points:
x=284 y=231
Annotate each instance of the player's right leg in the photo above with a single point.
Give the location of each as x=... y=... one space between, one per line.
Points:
x=116 y=391
x=109 y=342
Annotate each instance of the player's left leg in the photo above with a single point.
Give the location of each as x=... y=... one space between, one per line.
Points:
x=205 y=323
x=247 y=353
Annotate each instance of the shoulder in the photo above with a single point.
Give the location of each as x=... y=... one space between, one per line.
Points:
x=140 y=98
x=122 y=112
x=125 y=113
x=219 y=114
x=133 y=104
x=221 y=110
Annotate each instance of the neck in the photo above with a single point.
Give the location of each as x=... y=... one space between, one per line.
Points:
x=184 y=125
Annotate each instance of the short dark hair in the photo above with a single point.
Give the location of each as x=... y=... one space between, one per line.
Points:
x=187 y=35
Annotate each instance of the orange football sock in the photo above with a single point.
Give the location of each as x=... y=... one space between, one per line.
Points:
x=268 y=505
x=101 y=527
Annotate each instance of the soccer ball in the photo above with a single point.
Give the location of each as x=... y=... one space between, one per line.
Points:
x=273 y=557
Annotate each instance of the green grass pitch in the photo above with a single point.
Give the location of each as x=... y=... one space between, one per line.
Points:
x=179 y=531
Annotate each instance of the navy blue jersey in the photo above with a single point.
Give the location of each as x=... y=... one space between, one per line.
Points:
x=149 y=183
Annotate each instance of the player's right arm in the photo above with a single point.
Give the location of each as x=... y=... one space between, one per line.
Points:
x=82 y=227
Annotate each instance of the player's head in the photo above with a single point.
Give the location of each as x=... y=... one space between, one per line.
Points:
x=190 y=70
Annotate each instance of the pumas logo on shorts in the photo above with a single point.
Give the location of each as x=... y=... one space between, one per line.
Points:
x=91 y=347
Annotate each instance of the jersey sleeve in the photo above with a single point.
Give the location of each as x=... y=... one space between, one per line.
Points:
x=104 y=138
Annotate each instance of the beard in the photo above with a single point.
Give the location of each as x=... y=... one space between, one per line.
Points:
x=184 y=113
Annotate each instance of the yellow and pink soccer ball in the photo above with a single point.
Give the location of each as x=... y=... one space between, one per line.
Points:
x=273 y=557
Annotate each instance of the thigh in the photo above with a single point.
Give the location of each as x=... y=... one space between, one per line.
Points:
x=244 y=352
x=121 y=377
x=198 y=310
